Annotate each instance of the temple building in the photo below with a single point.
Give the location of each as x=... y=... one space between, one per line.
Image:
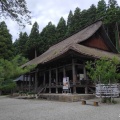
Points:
x=67 y=59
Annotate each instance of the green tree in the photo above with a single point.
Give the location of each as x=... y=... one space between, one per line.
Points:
x=77 y=19
x=112 y=12
x=103 y=70
x=101 y=9
x=16 y=46
x=84 y=19
x=112 y=16
x=9 y=70
x=48 y=36
x=91 y=14
x=61 y=29
x=6 y=48
x=32 y=43
x=16 y=10
x=70 y=23
x=20 y=44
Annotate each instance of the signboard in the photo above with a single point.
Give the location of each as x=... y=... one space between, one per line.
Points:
x=81 y=76
x=66 y=83
x=107 y=90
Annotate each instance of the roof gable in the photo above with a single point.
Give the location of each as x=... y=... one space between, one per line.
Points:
x=96 y=41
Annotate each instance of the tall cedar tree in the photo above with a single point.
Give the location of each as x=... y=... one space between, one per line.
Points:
x=48 y=36
x=101 y=10
x=112 y=11
x=111 y=18
x=6 y=48
x=32 y=43
x=16 y=47
x=70 y=28
x=77 y=19
x=91 y=14
x=84 y=19
x=61 y=29
x=20 y=44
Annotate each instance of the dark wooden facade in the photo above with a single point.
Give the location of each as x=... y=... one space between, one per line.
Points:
x=51 y=75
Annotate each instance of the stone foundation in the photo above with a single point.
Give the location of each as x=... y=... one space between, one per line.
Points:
x=66 y=97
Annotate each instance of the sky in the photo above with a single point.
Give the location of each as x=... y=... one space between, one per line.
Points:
x=44 y=11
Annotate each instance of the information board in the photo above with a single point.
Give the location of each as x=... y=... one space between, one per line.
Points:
x=107 y=90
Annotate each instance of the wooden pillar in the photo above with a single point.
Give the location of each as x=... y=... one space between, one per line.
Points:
x=85 y=74
x=74 y=76
x=86 y=90
x=56 y=80
x=30 y=79
x=36 y=82
x=49 y=81
x=85 y=78
x=64 y=72
x=26 y=83
x=44 y=79
x=21 y=87
x=23 y=84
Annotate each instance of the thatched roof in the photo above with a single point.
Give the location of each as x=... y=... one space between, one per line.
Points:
x=80 y=36
x=71 y=43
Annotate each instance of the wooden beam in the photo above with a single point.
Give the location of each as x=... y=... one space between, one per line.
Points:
x=54 y=68
x=74 y=76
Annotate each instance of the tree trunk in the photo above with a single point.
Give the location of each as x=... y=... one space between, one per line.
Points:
x=35 y=53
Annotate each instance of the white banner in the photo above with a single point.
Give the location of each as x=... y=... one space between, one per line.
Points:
x=107 y=90
x=66 y=84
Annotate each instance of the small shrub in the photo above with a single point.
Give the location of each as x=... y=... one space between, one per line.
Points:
x=108 y=100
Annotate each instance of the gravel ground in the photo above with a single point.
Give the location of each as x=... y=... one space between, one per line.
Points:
x=19 y=109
